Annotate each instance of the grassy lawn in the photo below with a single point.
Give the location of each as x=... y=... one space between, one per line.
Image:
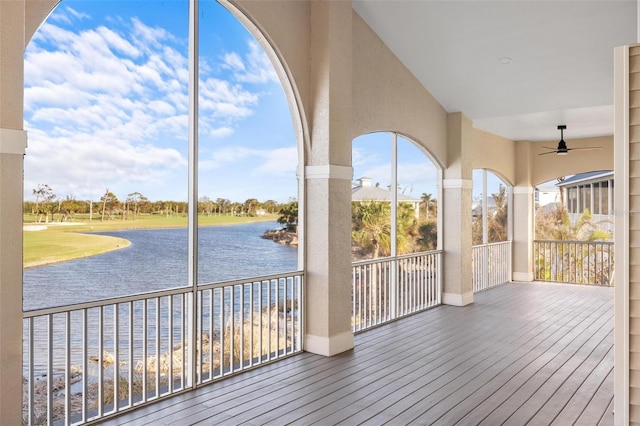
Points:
x=59 y=243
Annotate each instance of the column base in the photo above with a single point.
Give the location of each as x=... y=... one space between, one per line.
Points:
x=457 y=299
x=523 y=276
x=329 y=346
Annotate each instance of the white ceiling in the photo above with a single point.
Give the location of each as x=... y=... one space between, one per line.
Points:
x=561 y=59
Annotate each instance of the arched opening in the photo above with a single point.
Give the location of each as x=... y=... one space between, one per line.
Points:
x=382 y=161
x=395 y=223
x=141 y=143
x=490 y=208
x=492 y=233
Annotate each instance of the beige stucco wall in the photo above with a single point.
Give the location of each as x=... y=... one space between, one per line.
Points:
x=36 y=12
x=387 y=97
x=495 y=153
x=550 y=166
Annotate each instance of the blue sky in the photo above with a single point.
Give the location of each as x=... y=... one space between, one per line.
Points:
x=106 y=105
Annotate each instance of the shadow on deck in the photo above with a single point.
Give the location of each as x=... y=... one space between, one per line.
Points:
x=522 y=352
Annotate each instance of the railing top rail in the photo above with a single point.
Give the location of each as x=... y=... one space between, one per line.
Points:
x=389 y=258
x=105 y=302
x=493 y=244
x=149 y=295
x=370 y=261
x=250 y=280
x=574 y=242
x=417 y=254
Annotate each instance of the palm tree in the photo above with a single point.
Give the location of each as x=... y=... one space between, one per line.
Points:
x=497 y=225
x=289 y=216
x=372 y=226
x=425 y=203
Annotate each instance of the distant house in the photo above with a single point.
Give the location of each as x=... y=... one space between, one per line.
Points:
x=364 y=190
x=546 y=196
x=476 y=207
x=593 y=191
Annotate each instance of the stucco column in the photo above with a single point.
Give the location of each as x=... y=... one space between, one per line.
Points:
x=328 y=175
x=457 y=186
x=12 y=148
x=523 y=214
x=523 y=207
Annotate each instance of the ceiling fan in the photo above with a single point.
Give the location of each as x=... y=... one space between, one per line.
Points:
x=562 y=148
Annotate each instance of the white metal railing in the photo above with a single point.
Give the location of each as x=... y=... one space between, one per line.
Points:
x=577 y=262
x=389 y=288
x=88 y=361
x=491 y=264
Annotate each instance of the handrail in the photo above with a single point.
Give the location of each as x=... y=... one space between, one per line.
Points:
x=575 y=262
x=149 y=294
x=604 y=243
x=388 y=288
x=491 y=264
x=401 y=256
x=101 y=358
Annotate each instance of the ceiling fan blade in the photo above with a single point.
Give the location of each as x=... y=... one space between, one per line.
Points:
x=586 y=148
x=550 y=152
x=546 y=147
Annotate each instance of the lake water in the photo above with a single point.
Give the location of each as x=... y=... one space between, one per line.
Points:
x=156 y=260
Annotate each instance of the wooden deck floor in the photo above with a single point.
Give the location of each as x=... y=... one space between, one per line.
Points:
x=522 y=353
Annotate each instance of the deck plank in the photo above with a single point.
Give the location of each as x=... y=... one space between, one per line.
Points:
x=539 y=352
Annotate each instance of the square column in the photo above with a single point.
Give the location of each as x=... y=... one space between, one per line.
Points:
x=327 y=176
x=12 y=147
x=523 y=214
x=523 y=226
x=458 y=281
x=457 y=189
x=13 y=142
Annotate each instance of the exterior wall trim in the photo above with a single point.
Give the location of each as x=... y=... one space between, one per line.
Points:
x=457 y=184
x=457 y=299
x=328 y=346
x=13 y=141
x=621 y=387
x=523 y=276
x=328 y=171
x=526 y=190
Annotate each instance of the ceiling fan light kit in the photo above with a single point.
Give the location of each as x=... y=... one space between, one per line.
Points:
x=562 y=148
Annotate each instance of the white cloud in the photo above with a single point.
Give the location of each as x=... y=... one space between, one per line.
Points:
x=233 y=61
x=118 y=43
x=67 y=15
x=221 y=132
x=280 y=161
x=107 y=105
x=228 y=155
x=76 y=14
x=269 y=162
x=256 y=67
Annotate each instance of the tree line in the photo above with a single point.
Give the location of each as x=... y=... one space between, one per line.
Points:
x=48 y=206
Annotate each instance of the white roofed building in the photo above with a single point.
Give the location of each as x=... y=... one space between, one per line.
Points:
x=364 y=190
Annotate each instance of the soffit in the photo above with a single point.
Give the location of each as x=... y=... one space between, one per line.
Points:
x=561 y=52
